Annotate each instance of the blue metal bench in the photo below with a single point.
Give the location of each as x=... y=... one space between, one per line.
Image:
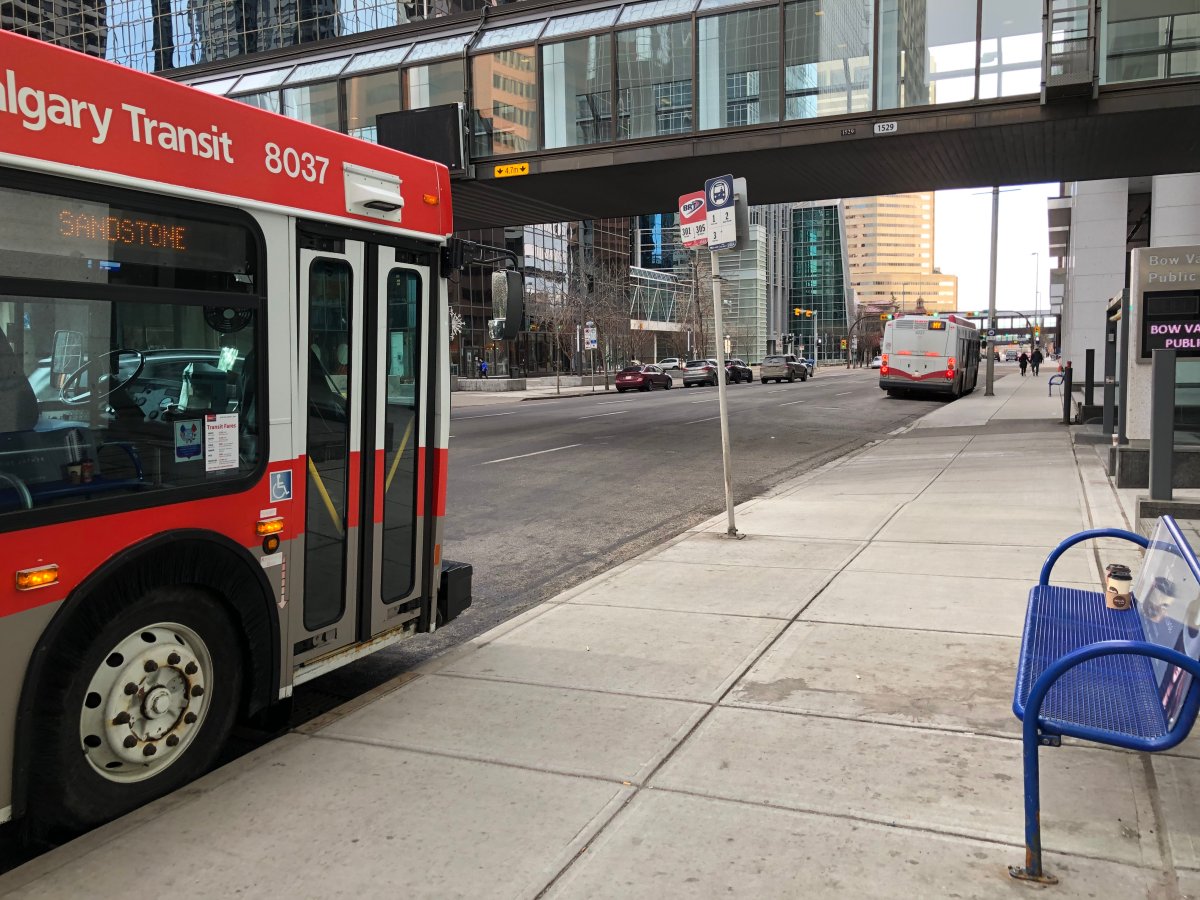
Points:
x=1120 y=677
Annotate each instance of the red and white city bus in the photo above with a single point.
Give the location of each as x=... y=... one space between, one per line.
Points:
x=223 y=422
x=930 y=354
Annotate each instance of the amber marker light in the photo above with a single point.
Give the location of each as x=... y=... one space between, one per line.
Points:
x=270 y=526
x=430 y=199
x=41 y=576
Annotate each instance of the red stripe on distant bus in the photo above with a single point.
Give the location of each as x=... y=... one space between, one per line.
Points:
x=939 y=373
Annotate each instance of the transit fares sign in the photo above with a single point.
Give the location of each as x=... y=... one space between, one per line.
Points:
x=693 y=220
x=68 y=109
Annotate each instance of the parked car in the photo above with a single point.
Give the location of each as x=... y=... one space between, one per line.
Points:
x=782 y=367
x=737 y=370
x=877 y=362
x=700 y=371
x=642 y=378
x=671 y=362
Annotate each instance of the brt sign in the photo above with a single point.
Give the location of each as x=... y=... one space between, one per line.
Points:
x=693 y=220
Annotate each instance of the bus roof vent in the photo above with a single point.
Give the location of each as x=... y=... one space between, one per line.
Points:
x=372 y=193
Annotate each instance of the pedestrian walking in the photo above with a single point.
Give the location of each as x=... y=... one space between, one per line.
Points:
x=1035 y=359
x=1023 y=362
x=483 y=368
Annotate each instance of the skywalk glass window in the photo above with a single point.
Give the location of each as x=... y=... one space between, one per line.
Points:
x=739 y=68
x=504 y=90
x=927 y=53
x=433 y=84
x=314 y=103
x=367 y=96
x=827 y=62
x=654 y=79
x=1010 y=53
x=576 y=91
x=1144 y=41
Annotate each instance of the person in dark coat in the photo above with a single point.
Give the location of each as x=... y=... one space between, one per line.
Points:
x=1035 y=359
x=1023 y=362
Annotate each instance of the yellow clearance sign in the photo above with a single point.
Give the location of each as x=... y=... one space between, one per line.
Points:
x=510 y=170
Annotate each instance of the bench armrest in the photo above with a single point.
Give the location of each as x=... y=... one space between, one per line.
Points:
x=1044 y=578
x=1062 y=665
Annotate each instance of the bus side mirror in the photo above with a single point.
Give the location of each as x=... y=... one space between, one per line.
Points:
x=508 y=301
x=67 y=355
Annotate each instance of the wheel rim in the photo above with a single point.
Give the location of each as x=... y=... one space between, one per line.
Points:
x=146 y=702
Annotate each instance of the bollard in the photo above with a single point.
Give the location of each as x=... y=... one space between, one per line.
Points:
x=1089 y=376
x=1066 y=386
x=1162 y=424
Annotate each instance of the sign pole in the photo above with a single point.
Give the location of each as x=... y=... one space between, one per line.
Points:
x=722 y=403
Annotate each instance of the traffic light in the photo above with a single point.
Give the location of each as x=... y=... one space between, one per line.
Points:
x=808 y=313
x=886 y=317
x=796 y=311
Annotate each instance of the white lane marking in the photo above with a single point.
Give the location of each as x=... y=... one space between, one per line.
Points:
x=698 y=421
x=706 y=400
x=610 y=402
x=794 y=402
x=843 y=393
x=778 y=391
x=484 y=416
x=615 y=412
x=826 y=407
x=534 y=453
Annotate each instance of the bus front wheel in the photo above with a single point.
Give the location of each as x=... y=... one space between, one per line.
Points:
x=132 y=710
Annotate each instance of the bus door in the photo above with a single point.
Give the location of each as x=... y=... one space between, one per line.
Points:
x=399 y=532
x=332 y=302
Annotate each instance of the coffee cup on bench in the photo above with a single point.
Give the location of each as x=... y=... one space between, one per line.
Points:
x=1118 y=585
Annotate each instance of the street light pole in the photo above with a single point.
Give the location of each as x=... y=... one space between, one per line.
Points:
x=989 y=388
x=1037 y=271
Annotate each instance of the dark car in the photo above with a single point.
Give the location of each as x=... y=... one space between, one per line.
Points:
x=737 y=370
x=642 y=378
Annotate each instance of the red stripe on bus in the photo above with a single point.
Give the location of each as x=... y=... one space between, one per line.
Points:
x=938 y=373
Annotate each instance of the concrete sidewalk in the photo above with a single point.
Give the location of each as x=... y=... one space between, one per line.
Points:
x=819 y=710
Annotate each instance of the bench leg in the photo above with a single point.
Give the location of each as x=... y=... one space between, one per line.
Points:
x=1032 y=870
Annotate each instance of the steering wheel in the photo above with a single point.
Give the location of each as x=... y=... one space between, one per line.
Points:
x=106 y=385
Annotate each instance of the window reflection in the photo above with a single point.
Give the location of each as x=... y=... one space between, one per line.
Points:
x=268 y=100
x=504 y=118
x=654 y=77
x=927 y=56
x=315 y=103
x=367 y=97
x=576 y=91
x=1150 y=42
x=1010 y=55
x=434 y=84
x=828 y=63
x=739 y=66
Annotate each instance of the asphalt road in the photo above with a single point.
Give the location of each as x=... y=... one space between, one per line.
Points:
x=544 y=494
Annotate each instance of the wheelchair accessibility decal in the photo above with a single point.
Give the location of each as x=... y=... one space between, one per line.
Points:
x=281 y=485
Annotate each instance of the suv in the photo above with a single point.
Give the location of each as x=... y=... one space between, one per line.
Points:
x=671 y=362
x=737 y=370
x=700 y=371
x=781 y=367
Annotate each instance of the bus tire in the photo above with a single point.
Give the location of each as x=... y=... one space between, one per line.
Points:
x=102 y=749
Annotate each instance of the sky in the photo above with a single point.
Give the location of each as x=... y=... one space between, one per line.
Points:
x=962 y=244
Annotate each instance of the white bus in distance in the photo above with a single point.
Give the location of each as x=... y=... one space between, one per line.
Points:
x=930 y=354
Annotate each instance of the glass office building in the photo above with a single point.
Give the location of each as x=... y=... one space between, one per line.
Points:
x=819 y=280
